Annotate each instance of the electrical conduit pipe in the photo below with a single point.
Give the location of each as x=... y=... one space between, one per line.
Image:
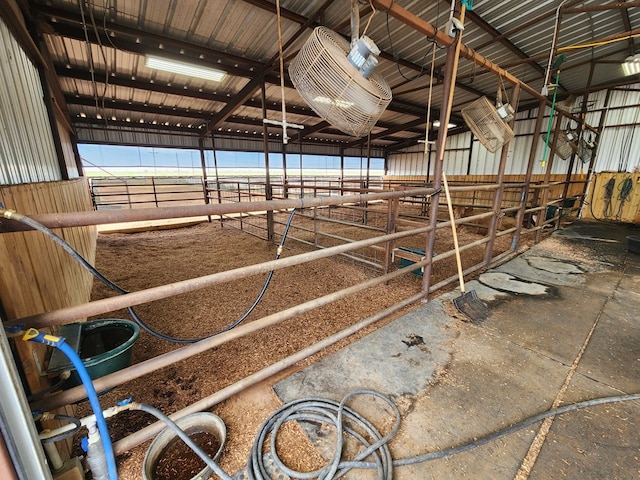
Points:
x=34 y=335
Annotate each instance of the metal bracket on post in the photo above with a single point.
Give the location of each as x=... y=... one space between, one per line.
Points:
x=284 y=124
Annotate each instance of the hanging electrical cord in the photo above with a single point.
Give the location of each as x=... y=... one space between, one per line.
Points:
x=396 y=56
x=90 y=57
x=67 y=433
x=423 y=64
x=91 y=8
x=623 y=195
x=10 y=214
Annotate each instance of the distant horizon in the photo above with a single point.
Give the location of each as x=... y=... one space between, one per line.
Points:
x=114 y=158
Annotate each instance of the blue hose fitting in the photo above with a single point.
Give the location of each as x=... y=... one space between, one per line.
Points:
x=34 y=335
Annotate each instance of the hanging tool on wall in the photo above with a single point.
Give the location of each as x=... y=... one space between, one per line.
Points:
x=624 y=194
x=608 y=193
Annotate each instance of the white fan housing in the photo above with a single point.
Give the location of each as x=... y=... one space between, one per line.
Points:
x=566 y=144
x=487 y=124
x=335 y=88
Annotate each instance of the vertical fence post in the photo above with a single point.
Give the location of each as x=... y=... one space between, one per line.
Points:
x=392 y=217
x=155 y=192
x=524 y=196
x=203 y=165
x=498 y=193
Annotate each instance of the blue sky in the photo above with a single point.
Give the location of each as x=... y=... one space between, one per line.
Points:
x=107 y=156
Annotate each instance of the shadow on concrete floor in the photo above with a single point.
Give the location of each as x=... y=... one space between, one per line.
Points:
x=564 y=328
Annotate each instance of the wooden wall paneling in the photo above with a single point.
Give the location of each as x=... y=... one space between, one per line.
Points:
x=36 y=274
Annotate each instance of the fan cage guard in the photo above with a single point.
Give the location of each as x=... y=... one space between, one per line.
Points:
x=564 y=147
x=584 y=151
x=485 y=123
x=334 y=88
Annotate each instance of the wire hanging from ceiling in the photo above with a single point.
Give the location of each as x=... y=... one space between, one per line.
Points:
x=89 y=55
x=423 y=64
x=284 y=124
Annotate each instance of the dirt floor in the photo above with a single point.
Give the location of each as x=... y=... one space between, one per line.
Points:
x=141 y=260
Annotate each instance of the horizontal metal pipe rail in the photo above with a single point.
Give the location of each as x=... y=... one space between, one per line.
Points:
x=148 y=366
x=97 y=307
x=103 y=217
x=133 y=440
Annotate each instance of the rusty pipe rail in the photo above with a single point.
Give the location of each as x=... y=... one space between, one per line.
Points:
x=101 y=217
x=422 y=26
x=127 y=443
x=156 y=363
x=67 y=314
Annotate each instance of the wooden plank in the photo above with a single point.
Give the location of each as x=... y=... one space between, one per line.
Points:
x=35 y=274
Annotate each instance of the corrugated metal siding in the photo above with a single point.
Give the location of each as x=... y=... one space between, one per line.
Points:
x=27 y=151
x=620 y=140
x=171 y=140
x=67 y=151
x=461 y=159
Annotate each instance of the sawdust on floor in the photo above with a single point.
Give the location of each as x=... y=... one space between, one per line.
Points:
x=146 y=259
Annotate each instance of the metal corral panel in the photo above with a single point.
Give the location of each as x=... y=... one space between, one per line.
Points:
x=27 y=151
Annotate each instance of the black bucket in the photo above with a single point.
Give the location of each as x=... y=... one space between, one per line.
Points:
x=633 y=243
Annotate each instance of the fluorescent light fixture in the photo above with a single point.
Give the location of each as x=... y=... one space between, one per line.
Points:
x=184 y=68
x=436 y=124
x=631 y=65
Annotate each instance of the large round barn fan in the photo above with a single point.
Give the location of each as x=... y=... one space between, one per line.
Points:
x=488 y=123
x=338 y=82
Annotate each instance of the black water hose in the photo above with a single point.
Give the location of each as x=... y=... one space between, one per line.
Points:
x=63 y=377
x=330 y=412
x=182 y=435
x=69 y=433
x=10 y=214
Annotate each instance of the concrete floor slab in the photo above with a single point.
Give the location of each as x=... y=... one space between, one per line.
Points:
x=455 y=381
x=554 y=325
x=402 y=358
x=613 y=354
x=599 y=442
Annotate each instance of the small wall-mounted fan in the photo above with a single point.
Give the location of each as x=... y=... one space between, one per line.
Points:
x=585 y=149
x=566 y=143
x=489 y=123
x=338 y=80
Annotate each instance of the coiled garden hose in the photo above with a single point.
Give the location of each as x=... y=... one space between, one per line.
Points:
x=330 y=412
x=10 y=214
x=34 y=335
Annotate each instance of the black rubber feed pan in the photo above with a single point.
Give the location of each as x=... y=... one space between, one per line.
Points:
x=633 y=243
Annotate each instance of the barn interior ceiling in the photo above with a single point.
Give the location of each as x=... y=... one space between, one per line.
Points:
x=96 y=50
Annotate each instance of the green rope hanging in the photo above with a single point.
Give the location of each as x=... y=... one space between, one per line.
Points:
x=556 y=66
